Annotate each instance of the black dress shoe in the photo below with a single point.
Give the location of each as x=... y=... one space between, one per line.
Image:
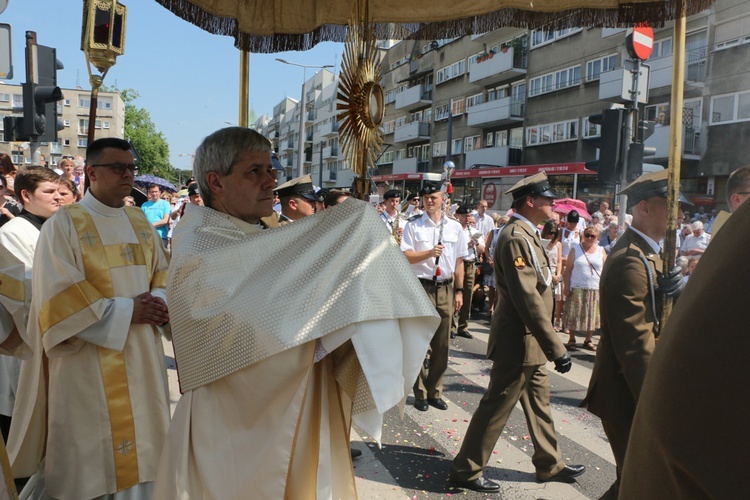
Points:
x=438 y=403
x=355 y=452
x=567 y=475
x=420 y=404
x=479 y=484
x=465 y=334
x=453 y=335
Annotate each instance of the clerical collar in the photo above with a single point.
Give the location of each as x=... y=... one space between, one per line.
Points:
x=35 y=220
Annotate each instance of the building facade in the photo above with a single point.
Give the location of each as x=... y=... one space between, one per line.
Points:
x=73 y=112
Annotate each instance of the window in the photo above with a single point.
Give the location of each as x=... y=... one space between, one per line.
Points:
x=591 y=129
x=441 y=112
x=98 y=124
x=450 y=72
x=458 y=106
x=84 y=101
x=439 y=148
x=657 y=113
x=67 y=102
x=552 y=132
x=389 y=127
x=83 y=126
x=18 y=100
x=662 y=48
x=425 y=154
x=497 y=93
x=516 y=138
x=472 y=143
x=543 y=37
x=489 y=140
x=457 y=146
x=730 y=108
x=598 y=66
x=66 y=142
x=473 y=100
x=501 y=138
x=66 y=123
x=4 y=97
x=558 y=80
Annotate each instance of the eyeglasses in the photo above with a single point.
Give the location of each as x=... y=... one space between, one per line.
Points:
x=119 y=168
x=589 y=236
x=68 y=157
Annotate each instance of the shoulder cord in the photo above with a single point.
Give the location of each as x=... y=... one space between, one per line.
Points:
x=545 y=281
x=650 y=276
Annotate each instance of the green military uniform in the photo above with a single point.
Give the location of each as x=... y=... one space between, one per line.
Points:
x=690 y=431
x=629 y=327
x=522 y=340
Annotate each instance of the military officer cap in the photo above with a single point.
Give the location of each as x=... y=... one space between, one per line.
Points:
x=392 y=193
x=429 y=188
x=535 y=185
x=649 y=185
x=193 y=189
x=463 y=210
x=301 y=186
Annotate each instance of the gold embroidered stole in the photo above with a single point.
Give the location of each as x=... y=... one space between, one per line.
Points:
x=98 y=260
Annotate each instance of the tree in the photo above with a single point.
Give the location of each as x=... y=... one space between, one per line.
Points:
x=150 y=145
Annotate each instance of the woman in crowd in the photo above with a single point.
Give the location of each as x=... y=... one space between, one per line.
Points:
x=8 y=172
x=8 y=207
x=608 y=240
x=582 y=272
x=691 y=263
x=68 y=192
x=553 y=247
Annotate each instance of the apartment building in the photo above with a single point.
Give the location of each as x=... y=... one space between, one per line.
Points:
x=522 y=98
x=73 y=111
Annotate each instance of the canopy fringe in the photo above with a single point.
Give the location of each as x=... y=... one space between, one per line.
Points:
x=655 y=13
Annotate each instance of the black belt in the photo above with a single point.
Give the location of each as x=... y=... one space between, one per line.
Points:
x=436 y=284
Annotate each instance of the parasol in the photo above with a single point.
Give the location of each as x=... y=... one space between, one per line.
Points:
x=564 y=206
x=147 y=180
x=284 y=25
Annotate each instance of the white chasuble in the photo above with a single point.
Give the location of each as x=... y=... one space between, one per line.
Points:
x=259 y=417
x=101 y=419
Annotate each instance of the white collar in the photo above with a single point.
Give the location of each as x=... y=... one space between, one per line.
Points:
x=527 y=221
x=653 y=244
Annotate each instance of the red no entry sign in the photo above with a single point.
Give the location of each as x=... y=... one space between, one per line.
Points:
x=640 y=42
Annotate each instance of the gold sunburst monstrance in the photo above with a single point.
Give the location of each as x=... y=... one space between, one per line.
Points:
x=360 y=99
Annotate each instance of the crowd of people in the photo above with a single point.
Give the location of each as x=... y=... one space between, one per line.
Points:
x=86 y=299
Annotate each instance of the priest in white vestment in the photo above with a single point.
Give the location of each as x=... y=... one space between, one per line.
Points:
x=37 y=188
x=95 y=429
x=282 y=335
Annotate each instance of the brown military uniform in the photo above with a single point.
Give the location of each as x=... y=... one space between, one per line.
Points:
x=521 y=342
x=690 y=433
x=627 y=341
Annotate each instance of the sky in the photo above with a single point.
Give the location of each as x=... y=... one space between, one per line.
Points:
x=187 y=78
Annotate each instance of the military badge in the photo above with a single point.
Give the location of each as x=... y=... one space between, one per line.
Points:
x=519 y=263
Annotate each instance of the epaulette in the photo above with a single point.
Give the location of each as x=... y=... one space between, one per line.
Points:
x=413 y=218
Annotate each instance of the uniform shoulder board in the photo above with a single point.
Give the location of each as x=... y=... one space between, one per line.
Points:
x=414 y=217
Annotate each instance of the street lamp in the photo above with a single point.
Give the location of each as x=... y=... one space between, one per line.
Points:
x=300 y=164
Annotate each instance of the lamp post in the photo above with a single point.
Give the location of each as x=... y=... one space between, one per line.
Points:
x=301 y=162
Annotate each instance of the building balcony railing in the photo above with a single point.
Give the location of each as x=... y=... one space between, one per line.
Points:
x=330 y=152
x=418 y=96
x=412 y=132
x=503 y=111
x=660 y=140
x=330 y=129
x=494 y=68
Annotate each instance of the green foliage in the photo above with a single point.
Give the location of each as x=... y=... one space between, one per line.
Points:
x=151 y=146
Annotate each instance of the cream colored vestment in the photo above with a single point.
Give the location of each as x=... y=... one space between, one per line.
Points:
x=258 y=417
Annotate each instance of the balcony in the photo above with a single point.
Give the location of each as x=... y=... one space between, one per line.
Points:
x=413 y=132
x=660 y=140
x=310 y=116
x=500 y=155
x=290 y=145
x=330 y=152
x=330 y=175
x=330 y=129
x=495 y=68
x=415 y=97
x=309 y=137
x=503 y=111
x=611 y=83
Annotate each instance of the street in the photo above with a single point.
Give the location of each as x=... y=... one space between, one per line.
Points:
x=417 y=450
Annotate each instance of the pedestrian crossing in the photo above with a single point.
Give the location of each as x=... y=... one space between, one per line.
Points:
x=417 y=449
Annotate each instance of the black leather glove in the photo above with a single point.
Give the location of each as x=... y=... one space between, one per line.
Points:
x=671 y=284
x=563 y=364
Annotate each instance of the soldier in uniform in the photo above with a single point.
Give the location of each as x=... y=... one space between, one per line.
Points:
x=690 y=432
x=631 y=292
x=297 y=199
x=391 y=213
x=475 y=248
x=521 y=342
x=435 y=246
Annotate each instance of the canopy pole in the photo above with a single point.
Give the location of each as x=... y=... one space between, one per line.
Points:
x=675 y=151
x=244 y=86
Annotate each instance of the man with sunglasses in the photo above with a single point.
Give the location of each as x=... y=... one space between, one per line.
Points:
x=98 y=309
x=297 y=198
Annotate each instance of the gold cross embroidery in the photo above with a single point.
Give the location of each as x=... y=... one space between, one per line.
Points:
x=89 y=238
x=125 y=447
x=128 y=254
x=143 y=234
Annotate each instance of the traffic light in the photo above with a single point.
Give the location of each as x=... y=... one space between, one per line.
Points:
x=610 y=143
x=636 y=152
x=39 y=97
